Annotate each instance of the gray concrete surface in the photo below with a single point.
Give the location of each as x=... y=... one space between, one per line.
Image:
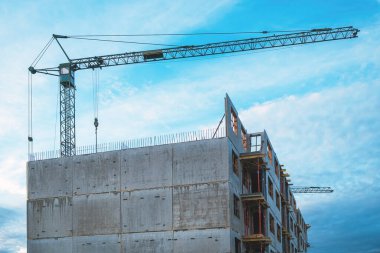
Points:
x=96 y=214
x=96 y=173
x=50 y=178
x=200 y=162
x=50 y=217
x=169 y=198
x=145 y=168
x=97 y=244
x=201 y=206
x=51 y=245
x=147 y=210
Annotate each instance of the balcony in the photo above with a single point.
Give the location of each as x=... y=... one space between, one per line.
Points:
x=254 y=198
x=257 y=239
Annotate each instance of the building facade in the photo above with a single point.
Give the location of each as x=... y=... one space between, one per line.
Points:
x=224 y=194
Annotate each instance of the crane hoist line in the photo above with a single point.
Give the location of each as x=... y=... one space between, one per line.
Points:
x=65 y=71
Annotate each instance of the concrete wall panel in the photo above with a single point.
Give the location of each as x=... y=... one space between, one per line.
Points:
x=56 y=245
x=96 y=214
x=50 y=217
x=154 y=242
x=200 y=161
x=209 y=240
x=235 y=138
x=97 y=244
x=96 y=173
x=49 y=178
x=237 y=222
x=147 y=210
x=148 y=167
x=200 y=206
x=153 y=215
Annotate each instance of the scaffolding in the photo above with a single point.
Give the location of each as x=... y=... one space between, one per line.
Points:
x=265 y=188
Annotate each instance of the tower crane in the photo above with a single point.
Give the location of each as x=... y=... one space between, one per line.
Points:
x=66 y=71
x=311 y=189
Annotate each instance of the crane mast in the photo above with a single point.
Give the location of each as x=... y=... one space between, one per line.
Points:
x=67 y=70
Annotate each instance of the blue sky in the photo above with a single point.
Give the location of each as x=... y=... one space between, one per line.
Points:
x=319 y=103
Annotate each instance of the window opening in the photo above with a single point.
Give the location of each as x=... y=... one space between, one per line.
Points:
x=270 y=187
x=244 y=138
x=236 y=206
x=237 y=246
x=278 y=200
x=234 y=122
x=277 y=168
x=270 y=155
x=290 y=198
x=271 y=223
x=255 y=143
x=291 y=224
x=235 y=163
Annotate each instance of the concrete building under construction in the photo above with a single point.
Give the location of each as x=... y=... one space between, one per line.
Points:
x=218 y=191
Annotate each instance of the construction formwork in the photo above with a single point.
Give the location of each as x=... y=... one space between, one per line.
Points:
x=220 y=194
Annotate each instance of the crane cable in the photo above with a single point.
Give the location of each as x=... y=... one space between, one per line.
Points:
x=184 y=34
x=97 y=37
x=43 y=51
x=127 y=42
x=30 y=98
x=30 y=116
x=56 y=114
x=95 y=100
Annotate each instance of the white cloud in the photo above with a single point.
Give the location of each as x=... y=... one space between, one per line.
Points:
x=17 y=22
x=326 y=138
x=12 y=175
x=196 y=92
x=21 y=250
x=13 y=232
x=193 y=97
x=164 y=16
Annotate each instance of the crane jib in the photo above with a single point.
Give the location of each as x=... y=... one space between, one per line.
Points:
x=235 y=46
x=67 y=78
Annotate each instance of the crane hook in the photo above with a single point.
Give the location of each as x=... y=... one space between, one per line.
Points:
x=96 y=124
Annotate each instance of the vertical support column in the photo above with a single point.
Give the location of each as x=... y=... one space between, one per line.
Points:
x=246 y=219
x=265 y=223
x=67 y=110
x=260 y=231
x=251 y=220
x=258 y=177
